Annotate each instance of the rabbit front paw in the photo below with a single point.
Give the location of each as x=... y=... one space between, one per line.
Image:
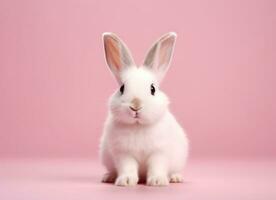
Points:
x=126 y=180
x=157 y=180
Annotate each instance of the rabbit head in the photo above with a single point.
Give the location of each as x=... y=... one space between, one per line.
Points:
x=138 y=99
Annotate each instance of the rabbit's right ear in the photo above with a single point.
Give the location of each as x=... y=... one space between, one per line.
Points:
x=117 y=55
x=159 y=56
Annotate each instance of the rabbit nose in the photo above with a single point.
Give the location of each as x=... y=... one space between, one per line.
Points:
x=135 y=104
x=135 y=109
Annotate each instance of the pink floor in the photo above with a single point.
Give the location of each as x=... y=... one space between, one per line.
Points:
x=80 y=179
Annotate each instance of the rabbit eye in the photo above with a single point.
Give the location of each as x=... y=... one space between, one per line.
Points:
x=122 y=89
x=152 y=89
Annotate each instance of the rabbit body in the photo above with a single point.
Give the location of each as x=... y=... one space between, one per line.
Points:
x=164 y=140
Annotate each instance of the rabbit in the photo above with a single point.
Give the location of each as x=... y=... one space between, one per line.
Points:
x=141 y=141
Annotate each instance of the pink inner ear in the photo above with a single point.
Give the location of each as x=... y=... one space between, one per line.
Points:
x=113 y=54
x=165 y=52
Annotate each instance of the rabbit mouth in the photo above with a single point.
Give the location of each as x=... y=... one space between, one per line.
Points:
x=136 y=115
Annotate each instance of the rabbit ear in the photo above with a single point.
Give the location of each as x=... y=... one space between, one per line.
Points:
x=159 y=56
x=117 y=55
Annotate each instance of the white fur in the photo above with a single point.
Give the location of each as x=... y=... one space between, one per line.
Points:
x=152 y=147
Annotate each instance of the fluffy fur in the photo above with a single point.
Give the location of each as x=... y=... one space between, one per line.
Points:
x=144 y=143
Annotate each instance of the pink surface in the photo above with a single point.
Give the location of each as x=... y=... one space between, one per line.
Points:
x=80 y=179
x=54 y=83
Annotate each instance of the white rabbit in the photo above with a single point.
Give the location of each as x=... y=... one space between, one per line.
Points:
x=141 y=140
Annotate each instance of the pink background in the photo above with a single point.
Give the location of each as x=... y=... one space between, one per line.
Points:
x=54 y=87
x=54 y=83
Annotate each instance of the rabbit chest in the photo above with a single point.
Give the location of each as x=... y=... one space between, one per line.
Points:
x=139 y=142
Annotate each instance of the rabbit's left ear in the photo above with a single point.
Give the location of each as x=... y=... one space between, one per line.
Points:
x=117 y=55
x=159 y=56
